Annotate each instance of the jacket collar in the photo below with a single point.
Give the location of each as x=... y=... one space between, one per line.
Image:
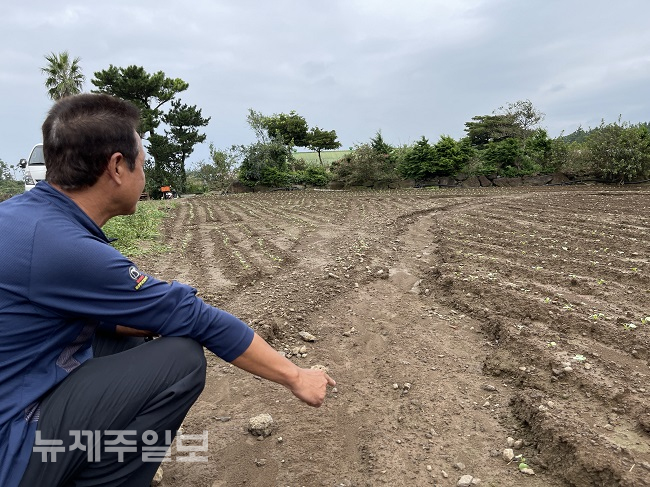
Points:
x=57 y=198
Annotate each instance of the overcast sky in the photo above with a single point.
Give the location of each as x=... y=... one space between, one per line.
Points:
x=408 y=68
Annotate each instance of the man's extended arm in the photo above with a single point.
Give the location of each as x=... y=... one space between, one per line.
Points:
x=308 y=385
x=262 y=360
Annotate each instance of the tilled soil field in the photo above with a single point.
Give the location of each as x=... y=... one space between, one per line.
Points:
x=451 y=321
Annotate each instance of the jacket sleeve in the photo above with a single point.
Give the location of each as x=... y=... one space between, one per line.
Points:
x=80 y=276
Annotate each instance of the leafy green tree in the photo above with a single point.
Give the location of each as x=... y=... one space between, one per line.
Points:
x=524 y=115
x=219 y=174
x=445 y=158
x=525 y=119
x=484 y=129
x=148 y=91
x=183 y=134
x=161 y=169
x=502 y=139
x=379 y=145
x=364 y=166
x=449 y=156
x=319 y=139
x=291 y=128
x=503 y=157
x=558 y=155
x=63 y=75
x=256 y=121
x=538 y=152
x=419 y=161
x=620 y=151
x=518 y=120
x=574 y=159
x=264 y=163
x=270 y=161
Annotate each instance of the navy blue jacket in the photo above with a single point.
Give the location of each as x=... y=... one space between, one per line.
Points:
x=59 y=278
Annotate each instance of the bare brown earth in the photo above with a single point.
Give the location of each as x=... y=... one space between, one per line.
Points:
x=451 y=320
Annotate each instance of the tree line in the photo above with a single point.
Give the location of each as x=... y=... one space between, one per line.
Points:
x=172 y=129
x=509 y=142
x=270 y=160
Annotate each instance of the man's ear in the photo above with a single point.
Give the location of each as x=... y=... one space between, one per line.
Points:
x=116 y=167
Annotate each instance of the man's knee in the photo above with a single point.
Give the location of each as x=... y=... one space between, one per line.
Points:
x=186 y=353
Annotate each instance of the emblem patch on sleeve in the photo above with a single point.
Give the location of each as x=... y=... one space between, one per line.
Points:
x=138 y=277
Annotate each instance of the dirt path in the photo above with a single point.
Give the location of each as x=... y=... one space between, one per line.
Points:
x=451 y=321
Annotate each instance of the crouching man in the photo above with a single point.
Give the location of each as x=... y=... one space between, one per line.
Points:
x=63 y=285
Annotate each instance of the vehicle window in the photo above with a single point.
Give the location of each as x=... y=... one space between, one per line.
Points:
x=36 y=157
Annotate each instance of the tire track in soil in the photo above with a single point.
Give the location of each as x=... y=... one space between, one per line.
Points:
x=397 y=433
x=447 y=342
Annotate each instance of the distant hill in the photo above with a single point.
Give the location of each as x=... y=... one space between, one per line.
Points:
x=327 y=156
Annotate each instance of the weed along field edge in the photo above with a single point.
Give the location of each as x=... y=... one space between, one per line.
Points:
x=499 y=334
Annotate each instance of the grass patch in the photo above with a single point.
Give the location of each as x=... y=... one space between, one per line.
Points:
x=137 y=234
x=327 y=156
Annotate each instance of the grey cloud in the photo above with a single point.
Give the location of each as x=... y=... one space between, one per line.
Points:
x=412 y=68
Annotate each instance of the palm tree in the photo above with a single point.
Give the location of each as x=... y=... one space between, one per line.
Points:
x=64 y=78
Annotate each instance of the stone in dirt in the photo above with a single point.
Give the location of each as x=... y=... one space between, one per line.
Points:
x=308 y=337
x=299 y=351
x=320 y=367
x=261 y=425
x=508 y=454
x=467 y=481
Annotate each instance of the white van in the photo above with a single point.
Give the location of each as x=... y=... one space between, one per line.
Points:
x=34 y=167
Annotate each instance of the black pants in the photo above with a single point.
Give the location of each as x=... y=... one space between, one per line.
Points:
x=137 y=389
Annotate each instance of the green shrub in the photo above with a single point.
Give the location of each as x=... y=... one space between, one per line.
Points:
x=364 y=166
x=620 y=152
x=274 y=177
x=317 y=176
